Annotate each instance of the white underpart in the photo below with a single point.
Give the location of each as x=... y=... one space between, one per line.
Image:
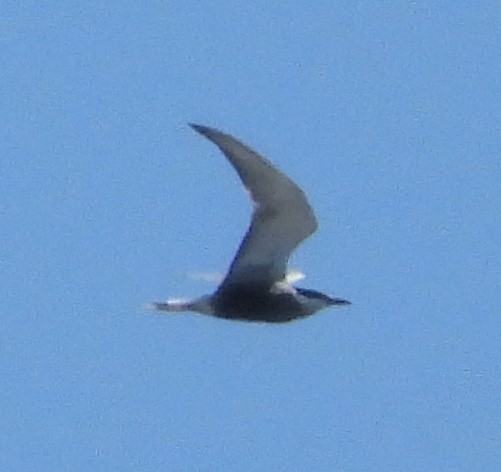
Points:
x=294 y=275
x=282 y=287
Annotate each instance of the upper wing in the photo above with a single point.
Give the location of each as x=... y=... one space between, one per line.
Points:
x=282 y=217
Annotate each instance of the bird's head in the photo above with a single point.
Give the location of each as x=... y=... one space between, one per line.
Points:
x=318 y=301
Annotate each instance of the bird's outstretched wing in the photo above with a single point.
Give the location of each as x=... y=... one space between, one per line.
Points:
x=282 y=217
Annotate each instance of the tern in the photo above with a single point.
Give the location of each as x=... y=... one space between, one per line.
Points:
x=256 y=286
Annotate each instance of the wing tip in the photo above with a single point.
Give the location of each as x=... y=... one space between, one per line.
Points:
x=200 y=128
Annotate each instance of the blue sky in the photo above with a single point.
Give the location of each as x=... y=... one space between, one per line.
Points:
x=386 y=113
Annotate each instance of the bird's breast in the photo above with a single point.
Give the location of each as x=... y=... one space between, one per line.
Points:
x=257 y=303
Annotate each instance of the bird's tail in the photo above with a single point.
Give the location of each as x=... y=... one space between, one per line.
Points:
x=171 y=305
x=201 y=305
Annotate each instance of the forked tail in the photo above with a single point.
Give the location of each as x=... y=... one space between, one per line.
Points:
x=171 y=305
x=199 y=305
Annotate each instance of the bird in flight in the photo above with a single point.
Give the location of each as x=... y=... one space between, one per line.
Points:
x=256 y=286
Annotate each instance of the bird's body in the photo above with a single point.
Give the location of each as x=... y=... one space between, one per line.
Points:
x=256 y=287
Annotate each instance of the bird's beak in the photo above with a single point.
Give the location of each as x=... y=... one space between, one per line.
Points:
x=339 y=301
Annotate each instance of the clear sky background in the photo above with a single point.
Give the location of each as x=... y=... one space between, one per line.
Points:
x=386 y=113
